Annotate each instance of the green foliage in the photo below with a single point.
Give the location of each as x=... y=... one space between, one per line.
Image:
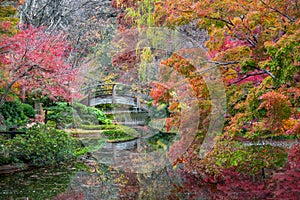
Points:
x=99 y=114
x=60 y=113
x=16 y=114
x=285 y=54
x=117 y=135
x=64 y=115
x=235 y=95
x=97 y=127
x=248 y=65
x=161 y=140
x=120 y=133
x=146 y=58
x=251 y=159
x=113 y=132
x=143 y=14
x=28 y=110
x=90 y=114
x=41 y=146
x=127 y=130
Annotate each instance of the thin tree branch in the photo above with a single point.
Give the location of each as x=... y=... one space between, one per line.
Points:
x=279 y=12
x=220 y=19
x=267 y=72
x=247 y=76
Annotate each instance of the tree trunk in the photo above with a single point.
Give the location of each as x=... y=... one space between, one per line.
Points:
x=46 y=116
x=3 y=98
x=2 y=122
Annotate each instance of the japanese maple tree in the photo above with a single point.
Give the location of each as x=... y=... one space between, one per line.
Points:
x=256 y=46
x=254 y=38
x=35 y=61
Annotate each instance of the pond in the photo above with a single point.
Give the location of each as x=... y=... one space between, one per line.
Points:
x=35 y=184
x=98 y=175
x=108 y=172
x=97 y=181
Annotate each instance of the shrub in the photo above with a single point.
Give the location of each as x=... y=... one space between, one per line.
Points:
x=65 y=115
x=114 y=134
x=60 y=113
x=28 y=110
x=121 y=133
x=41 y=146
x=90 y=114
x=16 y=114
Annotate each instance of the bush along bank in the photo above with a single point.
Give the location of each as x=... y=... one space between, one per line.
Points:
x=40 y=146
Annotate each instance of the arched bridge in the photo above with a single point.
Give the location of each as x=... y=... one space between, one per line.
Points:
x=116 y=93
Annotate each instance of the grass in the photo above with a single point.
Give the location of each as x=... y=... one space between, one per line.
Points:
x=122 y=139
x=114 y=133
x=97 y=127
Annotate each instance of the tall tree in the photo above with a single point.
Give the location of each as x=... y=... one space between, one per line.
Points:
x=256 y=46
x=243 y=34
x=88 y=23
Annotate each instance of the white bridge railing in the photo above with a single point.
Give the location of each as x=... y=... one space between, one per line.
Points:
x=116 y=93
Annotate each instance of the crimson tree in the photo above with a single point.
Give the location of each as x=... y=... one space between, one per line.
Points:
x=35 y=61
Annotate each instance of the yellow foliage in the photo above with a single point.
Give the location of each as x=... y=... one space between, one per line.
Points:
x=289 y=123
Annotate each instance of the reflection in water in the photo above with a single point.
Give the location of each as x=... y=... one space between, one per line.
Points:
x=37 y=184
x=98 y=176
x=95 y=181
x=105 y=183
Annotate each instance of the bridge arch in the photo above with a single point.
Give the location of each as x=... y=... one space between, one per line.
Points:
x=116 y=93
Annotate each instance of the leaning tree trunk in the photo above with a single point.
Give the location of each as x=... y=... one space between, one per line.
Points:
x=7 y=89
x=2 y=122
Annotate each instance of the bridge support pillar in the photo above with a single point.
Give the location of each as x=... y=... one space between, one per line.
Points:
x=114 y=94
x=138 y=105
x=138 y=144
x=114 y=152
x=89 y=98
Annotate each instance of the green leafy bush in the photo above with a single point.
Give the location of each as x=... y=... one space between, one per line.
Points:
x=90 y=114
x=113 y=132
x=161 y=140
x=64 y=115
x=28 y=110
x=60 y=113
x=249 y=159
x=41 y=146
x=16 y=114
x=120 y=133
